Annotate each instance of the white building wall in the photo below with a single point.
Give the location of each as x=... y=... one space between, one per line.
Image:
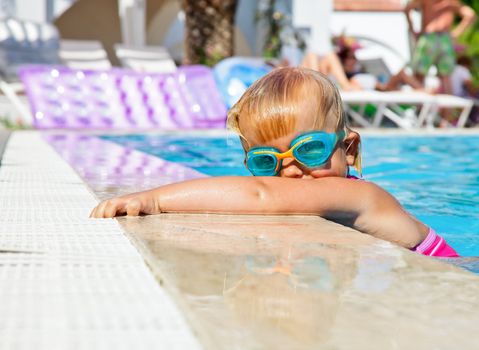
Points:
x=315 y=16
x=35 y=10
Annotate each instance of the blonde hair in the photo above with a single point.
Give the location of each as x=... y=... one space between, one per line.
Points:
x=272 y=106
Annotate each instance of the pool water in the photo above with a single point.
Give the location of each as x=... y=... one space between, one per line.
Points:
x=436 y=178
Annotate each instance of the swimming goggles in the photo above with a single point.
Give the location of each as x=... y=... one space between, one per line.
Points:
x=311 y=149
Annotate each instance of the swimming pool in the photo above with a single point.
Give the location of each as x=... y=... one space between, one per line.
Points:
x=435 y=177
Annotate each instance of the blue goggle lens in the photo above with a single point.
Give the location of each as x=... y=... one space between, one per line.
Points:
x=312 y=153
x=262 y=164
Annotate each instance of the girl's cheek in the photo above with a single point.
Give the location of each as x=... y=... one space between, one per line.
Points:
x=338 y=164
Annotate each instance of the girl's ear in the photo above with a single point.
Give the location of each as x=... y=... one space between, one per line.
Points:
x=244 y=143
x=352 y=144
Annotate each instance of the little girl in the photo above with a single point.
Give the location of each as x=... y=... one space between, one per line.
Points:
x=299 y=149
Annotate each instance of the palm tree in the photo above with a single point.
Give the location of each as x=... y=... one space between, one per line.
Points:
x=209 y=30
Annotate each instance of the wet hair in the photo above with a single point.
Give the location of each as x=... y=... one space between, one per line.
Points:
x=272 y=106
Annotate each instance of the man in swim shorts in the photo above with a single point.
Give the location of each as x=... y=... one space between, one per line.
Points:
x=435 y=40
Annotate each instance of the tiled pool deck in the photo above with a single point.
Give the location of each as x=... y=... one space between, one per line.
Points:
x=222 y=282
x=68 y=282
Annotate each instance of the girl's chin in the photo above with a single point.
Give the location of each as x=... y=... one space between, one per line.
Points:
x=317 y=174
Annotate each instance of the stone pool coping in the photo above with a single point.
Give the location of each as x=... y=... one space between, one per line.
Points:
x=70 y=281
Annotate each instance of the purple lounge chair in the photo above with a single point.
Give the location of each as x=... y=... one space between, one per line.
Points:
x=64 y=98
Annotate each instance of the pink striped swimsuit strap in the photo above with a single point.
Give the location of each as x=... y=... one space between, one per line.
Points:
x=435 y=245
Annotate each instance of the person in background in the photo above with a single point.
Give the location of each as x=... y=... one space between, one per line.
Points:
x=321 y=55
x=434 y=40
x=329 y=65
x=461 y=79
x=463 y=85
x=360 y=81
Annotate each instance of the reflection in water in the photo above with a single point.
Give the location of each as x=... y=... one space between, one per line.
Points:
x=250 y=282
x=252 y=286
x=293 y=300
x=271 y=300
x=111 y=169
x=306 y=273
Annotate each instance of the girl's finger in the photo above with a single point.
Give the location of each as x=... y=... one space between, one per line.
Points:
x=133 y=207
x=93 y=213
x=99 y=210
x=111 y=209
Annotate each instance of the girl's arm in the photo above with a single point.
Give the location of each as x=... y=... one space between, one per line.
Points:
x=370 y=209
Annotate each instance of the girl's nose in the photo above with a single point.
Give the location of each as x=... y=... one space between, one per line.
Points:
x=291 y=169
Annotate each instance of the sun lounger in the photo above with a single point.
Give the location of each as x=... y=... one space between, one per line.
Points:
x=376 y=67
x=151 y=59
x=23 y=42
x=449 y=102
x=13 y=97
x=66 y=98
x=388 y=105
x=83 y=54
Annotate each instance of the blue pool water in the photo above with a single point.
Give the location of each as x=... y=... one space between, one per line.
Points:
x=435 y=178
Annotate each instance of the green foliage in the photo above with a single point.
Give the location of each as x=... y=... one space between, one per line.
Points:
x=279 y=30
x=7 y=123
x=274 y=21
x=210 y=57
x=470 y=39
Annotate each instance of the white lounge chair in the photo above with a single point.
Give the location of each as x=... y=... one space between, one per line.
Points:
x=152 y=59
x=383 y=101
x=465 y=106
x=388 y=104
x=13 y=96
x=23 y=42
x=376 y=67
x=83 y=54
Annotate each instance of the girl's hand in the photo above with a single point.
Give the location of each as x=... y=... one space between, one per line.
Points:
x=132 y=205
